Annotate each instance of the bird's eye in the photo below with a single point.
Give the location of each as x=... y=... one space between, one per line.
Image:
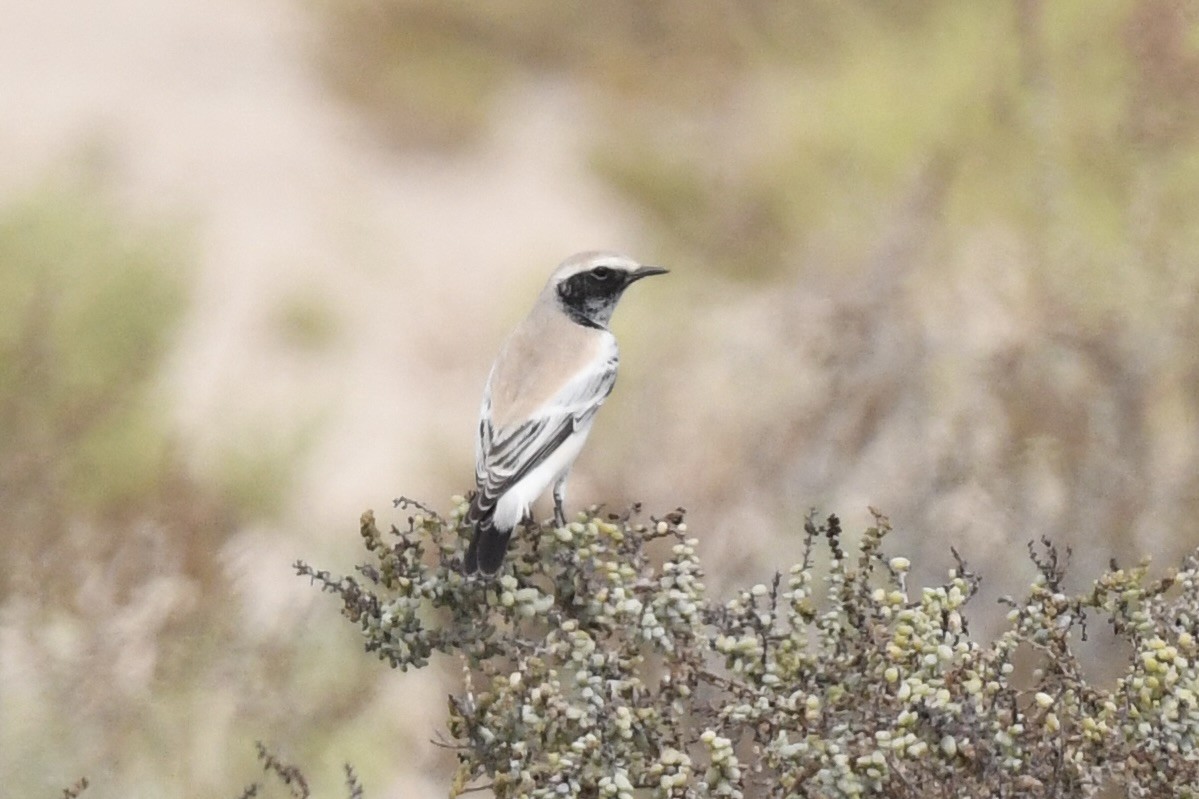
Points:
x=601 y=273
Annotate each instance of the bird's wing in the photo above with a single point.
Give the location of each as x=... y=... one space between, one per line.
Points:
x=504 y=455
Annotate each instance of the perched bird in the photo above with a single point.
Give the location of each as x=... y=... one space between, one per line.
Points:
x=550 y=378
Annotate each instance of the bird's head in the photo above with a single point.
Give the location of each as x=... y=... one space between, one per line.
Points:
x=588 y=285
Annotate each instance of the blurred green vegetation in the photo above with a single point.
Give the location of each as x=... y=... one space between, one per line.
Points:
x=126 y=651
x=760 y=137
x=109 y=539
x=87 y=307
x=305 y=321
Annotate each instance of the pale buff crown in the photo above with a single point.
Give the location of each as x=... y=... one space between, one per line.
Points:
x=583 y=261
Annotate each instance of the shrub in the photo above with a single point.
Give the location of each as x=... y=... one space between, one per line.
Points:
x=598 y=666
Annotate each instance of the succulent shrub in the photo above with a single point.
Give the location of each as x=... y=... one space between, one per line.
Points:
x=597 y=665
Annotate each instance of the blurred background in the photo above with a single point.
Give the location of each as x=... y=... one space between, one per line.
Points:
x=256 y=257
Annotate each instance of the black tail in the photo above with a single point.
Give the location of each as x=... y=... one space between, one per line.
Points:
x=487 y=547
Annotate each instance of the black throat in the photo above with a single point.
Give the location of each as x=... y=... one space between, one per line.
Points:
x=587 y=303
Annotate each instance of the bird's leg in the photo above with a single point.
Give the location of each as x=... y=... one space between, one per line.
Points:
x=559 y=497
